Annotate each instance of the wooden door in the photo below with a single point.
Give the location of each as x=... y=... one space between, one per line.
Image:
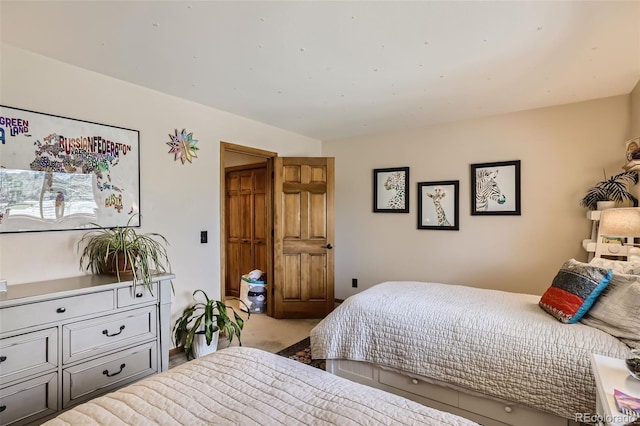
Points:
x=303 y=237
x=246 y=223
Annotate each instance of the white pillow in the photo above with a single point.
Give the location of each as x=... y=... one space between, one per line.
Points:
x=618 y=266
x=617 y=310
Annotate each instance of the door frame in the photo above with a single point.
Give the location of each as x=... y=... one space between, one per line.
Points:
x=259 y=153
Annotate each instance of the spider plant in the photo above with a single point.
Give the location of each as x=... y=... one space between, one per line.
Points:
x=123 y=252
x=207 y=317
x=612 y=189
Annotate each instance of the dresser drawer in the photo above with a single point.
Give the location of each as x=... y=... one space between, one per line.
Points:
x=508 y=413
x=29 y=400
x=30 y=314
x=84 y=381
x=28 y=354
x=419 y=387
x=84 y=339
x=126 y=297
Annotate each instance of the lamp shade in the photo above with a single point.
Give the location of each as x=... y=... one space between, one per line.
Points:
x=621 y=222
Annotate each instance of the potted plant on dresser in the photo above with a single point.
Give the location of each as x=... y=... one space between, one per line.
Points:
x=125 y=253
x=613 y=190
x=198 y=328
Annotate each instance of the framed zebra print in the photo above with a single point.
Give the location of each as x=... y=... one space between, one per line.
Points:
x=495 y=188
x=439 y=205
x=391 y=190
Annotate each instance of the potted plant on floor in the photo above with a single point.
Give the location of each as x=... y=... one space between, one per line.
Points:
x=198 y=327
x=125 y=253
x=613 y=189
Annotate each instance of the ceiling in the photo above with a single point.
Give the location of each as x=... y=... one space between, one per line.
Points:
x=339 y=69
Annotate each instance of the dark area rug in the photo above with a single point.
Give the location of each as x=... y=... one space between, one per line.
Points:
x=301 y=352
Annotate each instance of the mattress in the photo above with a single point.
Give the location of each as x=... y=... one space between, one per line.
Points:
x=491 y=342
x=246 y=386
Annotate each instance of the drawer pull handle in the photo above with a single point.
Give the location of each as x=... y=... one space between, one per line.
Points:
x=61 y=310
x=106 y=332
x=2 y=408
x=139 y=295
x=508 y=409
x=414 y=381
x=3 y=358
x=106 y=372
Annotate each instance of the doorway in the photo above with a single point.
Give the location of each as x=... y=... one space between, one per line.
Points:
x=298 y=230
x=236 y=256
x=246 y=227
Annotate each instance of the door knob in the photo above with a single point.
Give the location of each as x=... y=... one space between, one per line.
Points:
x=329 y=246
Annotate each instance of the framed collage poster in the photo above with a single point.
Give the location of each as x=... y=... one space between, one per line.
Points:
x=439 y=205
x=495 y=188
x=59 y=173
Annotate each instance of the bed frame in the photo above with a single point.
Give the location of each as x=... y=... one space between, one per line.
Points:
x=471 y=405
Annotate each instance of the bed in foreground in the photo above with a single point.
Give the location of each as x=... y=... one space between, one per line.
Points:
x=492 y=356
x=245 y=386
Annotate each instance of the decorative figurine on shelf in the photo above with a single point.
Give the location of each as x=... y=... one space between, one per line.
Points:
x=632 y=155
x=633 y=149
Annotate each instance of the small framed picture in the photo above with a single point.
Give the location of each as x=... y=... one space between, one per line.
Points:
x=438 y=205
x=495 y=188
x=391 y=190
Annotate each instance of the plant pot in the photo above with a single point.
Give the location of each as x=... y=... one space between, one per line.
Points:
x=117 y=264
x=200 y=347
x=604 y=205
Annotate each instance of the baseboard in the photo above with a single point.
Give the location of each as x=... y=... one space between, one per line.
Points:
x=338 y=301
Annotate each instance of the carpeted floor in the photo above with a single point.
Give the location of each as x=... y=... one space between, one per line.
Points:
x=301 y=352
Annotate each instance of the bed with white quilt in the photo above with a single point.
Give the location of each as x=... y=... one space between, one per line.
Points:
x=246 y=386
x=492 y=356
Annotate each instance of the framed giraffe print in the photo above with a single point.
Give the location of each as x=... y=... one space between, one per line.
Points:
x=439 y=205
x=495 y=188
x=391 y=190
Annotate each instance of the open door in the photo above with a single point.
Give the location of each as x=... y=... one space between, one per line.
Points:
x=302 y=286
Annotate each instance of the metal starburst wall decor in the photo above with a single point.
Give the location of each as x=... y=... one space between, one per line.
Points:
x=183 y=146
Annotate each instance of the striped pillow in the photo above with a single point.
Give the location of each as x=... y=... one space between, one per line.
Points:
x=574 y=290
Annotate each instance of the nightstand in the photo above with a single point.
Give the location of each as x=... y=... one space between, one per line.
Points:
x=610 y=374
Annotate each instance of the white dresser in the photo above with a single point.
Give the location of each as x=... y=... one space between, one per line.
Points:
x=66 y=341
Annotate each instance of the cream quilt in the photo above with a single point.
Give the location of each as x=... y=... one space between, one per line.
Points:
x=245 y=386
x=497 y=343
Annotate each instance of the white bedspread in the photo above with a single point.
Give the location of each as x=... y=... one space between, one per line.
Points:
x=244 y=386
x=497 y=343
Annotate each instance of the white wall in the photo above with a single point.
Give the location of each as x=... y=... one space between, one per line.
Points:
x=563 y=150
x=177 y=200
x=237 y=159
x=634 y=129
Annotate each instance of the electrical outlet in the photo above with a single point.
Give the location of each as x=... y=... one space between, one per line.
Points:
x=203 y=237
x=354 y=282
